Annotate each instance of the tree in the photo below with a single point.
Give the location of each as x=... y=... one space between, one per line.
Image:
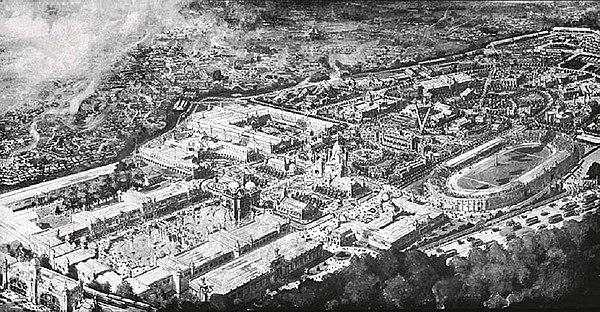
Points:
x=302 y=298
x=362 y=289
x=158 y=299
x=72 y=273
x=553 y=279
x=538 y=265
x=302 y=124
x=496 y=301
x=590 y=19
x=45 y=262
x=220 y=302
x=594 y=171
x=121 y=166
x=448 y=290
x=15 y=249
x=423 y=272
x=125 y=290
x=398 y=292
x=102 y=287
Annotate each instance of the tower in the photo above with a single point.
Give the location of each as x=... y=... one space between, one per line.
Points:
x=318 y=167
x=345 y=162
x=205 y=290
x=32 y=287
x=284 y=192
x=277 y=266
x=177 y=281
x=4 y=274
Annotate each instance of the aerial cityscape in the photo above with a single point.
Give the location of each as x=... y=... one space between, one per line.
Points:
x=219 y=155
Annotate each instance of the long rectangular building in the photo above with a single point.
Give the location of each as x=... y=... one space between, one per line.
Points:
x=248 y=276
x=404 y=230
x=22 y=198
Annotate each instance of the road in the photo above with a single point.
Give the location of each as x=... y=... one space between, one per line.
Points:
x=501 y=232
x=516 y=210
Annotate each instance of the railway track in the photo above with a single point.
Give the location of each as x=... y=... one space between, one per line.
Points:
x=116 y=301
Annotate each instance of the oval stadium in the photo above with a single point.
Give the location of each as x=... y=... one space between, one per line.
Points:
x=519 y=166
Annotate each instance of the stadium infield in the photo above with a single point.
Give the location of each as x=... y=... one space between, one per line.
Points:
x=503 y=168
x=496 y=172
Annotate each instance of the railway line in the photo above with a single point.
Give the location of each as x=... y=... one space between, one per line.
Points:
x=116 y=301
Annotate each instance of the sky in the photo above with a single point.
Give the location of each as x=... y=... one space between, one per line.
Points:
x=41 y=41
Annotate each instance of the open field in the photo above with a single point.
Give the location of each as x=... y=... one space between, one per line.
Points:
x=503 y=168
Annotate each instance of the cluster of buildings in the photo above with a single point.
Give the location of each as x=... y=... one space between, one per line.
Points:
x=177 y=273
x=256 y=240
x=41 y=286
x=249 y=180
x=220 y=123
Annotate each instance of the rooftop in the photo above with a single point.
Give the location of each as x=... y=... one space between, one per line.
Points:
x=461 y=77
x=294 y=204
x=471 y=153
x=407 y=224
x=75 y=256
x=263 y=225
x=226 y=239
x=199 y=255
x=114 y=210
x=13 y=228
x=92 y=265
x=62 y=249
x=70 y=228
x=45 y=239
x=254 y=264
x=169 y=191
x=143 y=281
